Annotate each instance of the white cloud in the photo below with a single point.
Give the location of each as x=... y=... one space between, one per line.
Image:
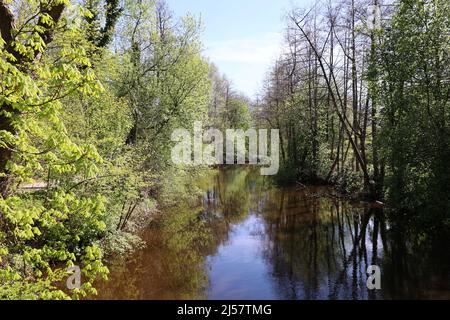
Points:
x=246 y=60
x=261 y=49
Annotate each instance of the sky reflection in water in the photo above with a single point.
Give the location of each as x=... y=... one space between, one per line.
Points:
x=250 y=240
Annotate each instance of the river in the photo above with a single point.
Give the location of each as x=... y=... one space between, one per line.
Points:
x=248 y=239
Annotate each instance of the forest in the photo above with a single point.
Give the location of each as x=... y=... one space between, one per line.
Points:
x=91 y=91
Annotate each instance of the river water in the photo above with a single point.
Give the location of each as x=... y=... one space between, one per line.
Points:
x=247 y=239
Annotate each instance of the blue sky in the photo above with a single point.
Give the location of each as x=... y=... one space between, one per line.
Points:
x=242 y=37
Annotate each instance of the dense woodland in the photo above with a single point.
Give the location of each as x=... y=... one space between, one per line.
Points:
x=363 y=104
x=91 y=91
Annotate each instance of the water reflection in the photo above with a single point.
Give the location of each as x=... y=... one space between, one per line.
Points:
x=250 y=240
x=320 y=248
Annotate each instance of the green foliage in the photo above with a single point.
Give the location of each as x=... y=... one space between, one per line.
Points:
x=372 y=114
x=98 y=35
x=44 y=232
x=121 y=244
x=415 y=73
x=228 y=109
x=79 y=182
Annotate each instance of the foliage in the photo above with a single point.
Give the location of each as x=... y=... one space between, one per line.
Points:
x=85 y=130
x=44 y=232
x=415 y=88
x=366 y=108
x=85 y=135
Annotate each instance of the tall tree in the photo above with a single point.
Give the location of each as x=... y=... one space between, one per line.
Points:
x=22 y=44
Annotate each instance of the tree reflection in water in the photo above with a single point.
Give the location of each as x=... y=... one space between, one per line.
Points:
x=303 y=245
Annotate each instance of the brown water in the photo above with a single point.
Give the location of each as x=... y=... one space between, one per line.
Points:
x=250 y=240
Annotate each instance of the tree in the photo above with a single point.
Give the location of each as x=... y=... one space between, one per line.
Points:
x=101 y=36
x=44 y=231
x=21 y=46
x=415 y=93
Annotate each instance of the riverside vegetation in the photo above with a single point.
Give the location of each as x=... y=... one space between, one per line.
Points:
x=91 y=91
